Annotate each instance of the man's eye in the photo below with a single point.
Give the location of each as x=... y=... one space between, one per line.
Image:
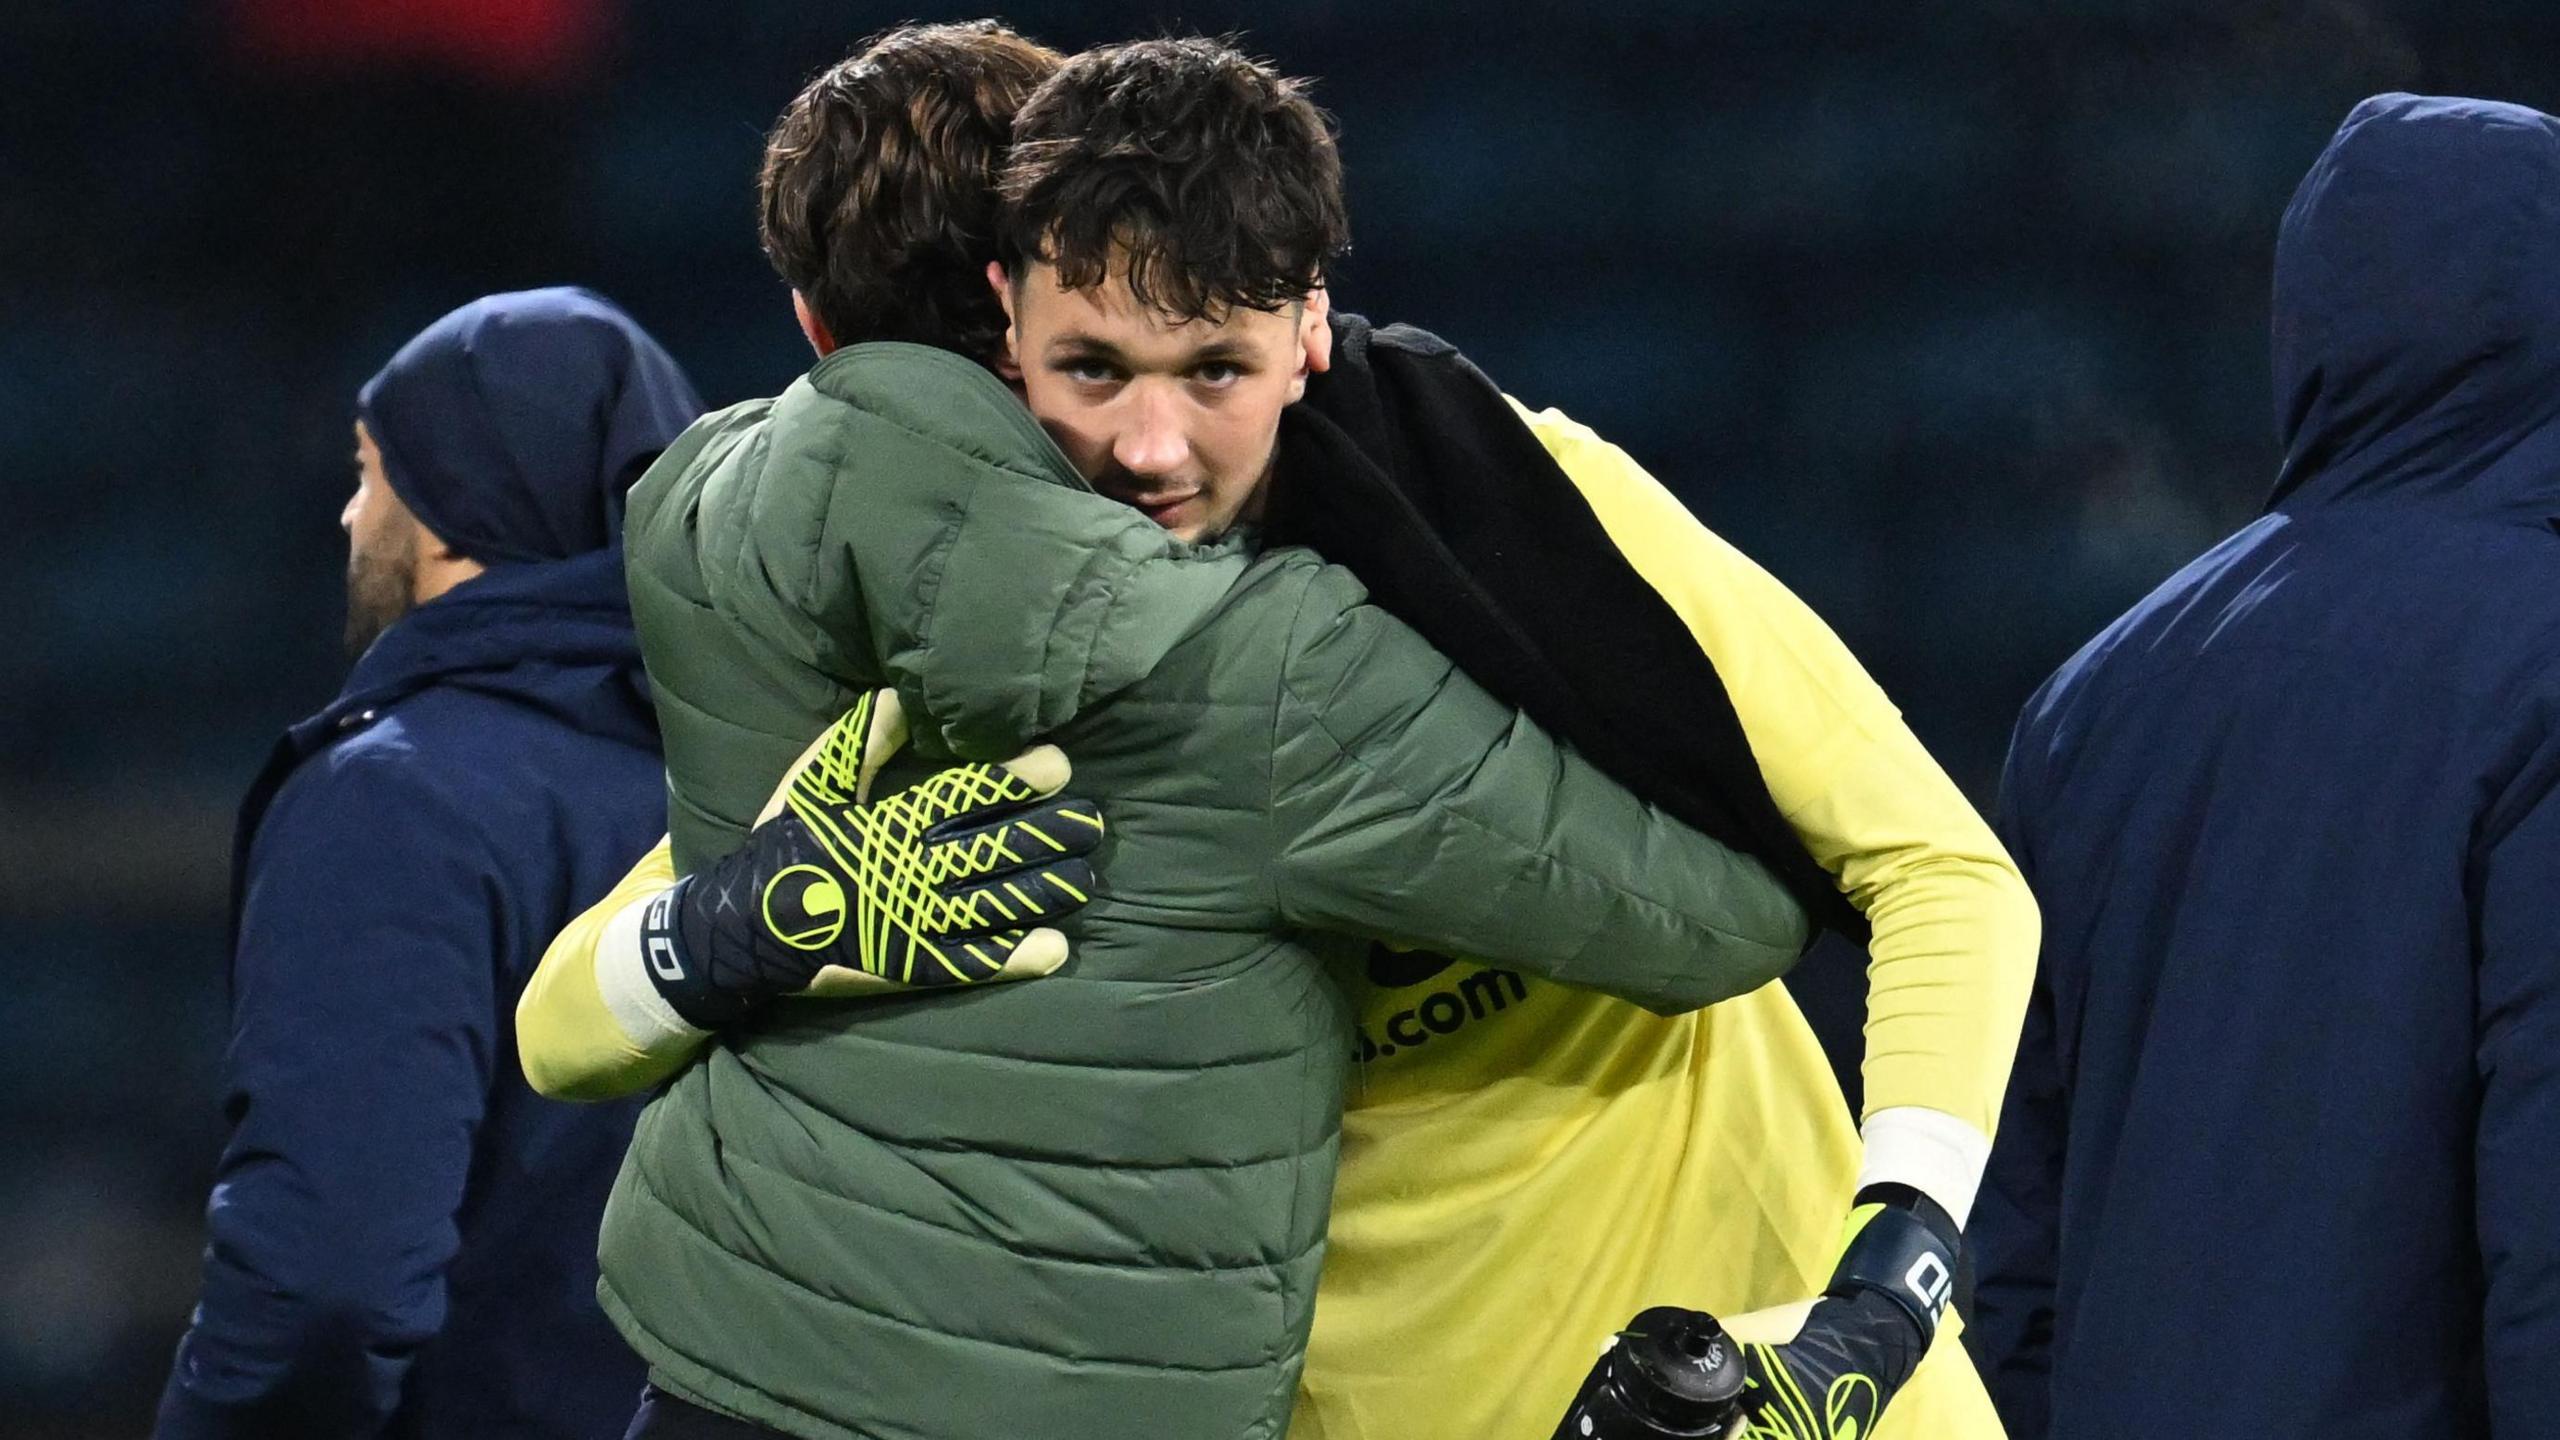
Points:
x=1218 y=373
x=1087 y=372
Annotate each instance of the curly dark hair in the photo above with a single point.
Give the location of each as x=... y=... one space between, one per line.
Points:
x=878 y=191
x=1208 y=175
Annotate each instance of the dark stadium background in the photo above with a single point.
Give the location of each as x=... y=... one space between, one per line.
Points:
x=1952 y=314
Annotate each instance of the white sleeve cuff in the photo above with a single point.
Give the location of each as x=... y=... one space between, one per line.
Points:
x=622 y=977
x=1931 y=1151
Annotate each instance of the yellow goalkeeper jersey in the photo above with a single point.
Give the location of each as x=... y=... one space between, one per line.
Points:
x=1525 y=1166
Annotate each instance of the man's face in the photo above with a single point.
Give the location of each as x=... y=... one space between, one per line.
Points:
x=1177 y=418
x=382 y=550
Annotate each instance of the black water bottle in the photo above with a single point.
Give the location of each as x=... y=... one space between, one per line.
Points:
x=1671 y=1372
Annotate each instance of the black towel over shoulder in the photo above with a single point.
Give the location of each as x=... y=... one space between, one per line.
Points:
x=1406 y=465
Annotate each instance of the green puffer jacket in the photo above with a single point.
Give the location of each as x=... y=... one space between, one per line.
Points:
x=1090 y=1207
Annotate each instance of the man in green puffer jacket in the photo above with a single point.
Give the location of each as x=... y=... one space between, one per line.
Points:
x=1097 y=1209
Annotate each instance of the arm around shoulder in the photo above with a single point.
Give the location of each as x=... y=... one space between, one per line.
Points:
x=1411 y=805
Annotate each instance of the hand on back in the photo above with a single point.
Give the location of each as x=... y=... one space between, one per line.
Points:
x=954 y=880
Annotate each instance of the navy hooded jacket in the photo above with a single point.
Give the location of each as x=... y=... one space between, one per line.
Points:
x=2282 y=1149
x=401 y=1234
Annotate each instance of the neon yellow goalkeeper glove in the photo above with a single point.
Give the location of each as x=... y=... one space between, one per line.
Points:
x=1830 y=1376
x=954 y=880
x=1822 y=1369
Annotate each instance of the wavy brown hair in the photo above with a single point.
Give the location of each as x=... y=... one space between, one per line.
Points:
x=878 y=191
x=1206 y=174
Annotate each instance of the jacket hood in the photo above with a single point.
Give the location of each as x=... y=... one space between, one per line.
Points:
x=513 y=426
x=556 y=636
x=901 y=512
x=2417 y=311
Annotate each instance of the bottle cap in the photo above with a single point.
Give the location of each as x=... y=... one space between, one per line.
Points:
x=1680 y=1370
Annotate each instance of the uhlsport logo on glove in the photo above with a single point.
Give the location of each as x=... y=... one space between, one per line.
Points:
x=811 y=912
x=956 y=879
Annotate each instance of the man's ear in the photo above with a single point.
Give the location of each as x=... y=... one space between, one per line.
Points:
x=812 y=326
x=1008 y=360
x=426 y=547
x=1315 y=340
x=435 y=566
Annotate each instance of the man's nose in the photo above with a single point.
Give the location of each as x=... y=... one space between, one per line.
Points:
x=1153 y=441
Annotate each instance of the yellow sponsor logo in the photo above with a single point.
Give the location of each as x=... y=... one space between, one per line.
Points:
x=819 y=902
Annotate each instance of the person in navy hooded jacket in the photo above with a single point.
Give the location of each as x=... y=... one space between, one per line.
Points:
x=402 y=1235
x=2282 y=1151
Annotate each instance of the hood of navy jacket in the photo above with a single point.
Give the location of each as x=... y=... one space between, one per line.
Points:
x=2417 y=312
x=513 y=425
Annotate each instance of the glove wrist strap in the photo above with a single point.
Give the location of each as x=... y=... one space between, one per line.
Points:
x=682 y=981
x=1906 y=1252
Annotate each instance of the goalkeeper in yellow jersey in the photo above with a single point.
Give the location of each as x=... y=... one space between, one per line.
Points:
x=1525 y=1167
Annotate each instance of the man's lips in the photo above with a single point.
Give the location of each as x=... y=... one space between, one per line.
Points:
x=1159 y=508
